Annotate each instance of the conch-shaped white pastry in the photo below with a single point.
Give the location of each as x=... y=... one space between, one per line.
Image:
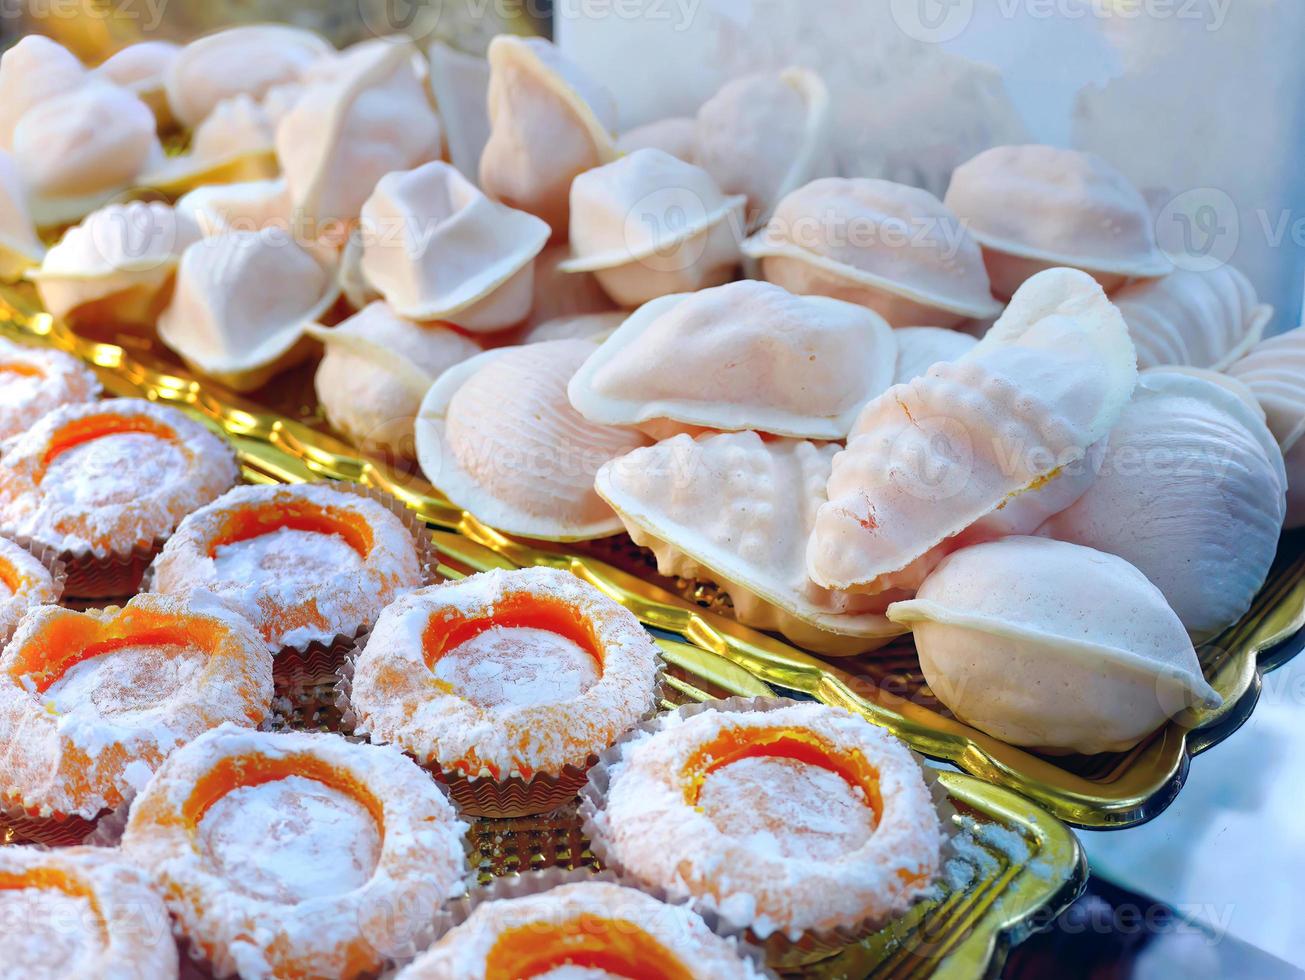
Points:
x=1034 y=207
x=651 y=225
x=736 y=509
x=438 y=249
x=460 y=84
x=766 y=135
x=76 y=150
x=1192 y=491
x=1202 y=319
x=246 y=60
x=235 y=142
x=920 y=348
x=241 y=306
x=375 y=372
x=498 y=437
x=893 y=248
x=1053 y=646
x=141 y=68
x=999 y=435
x=1274 y=371
x=369 y=115
x=549 y=123
x=33 y=70
x=116 y=268
x=20 y=247
x=677 y=135
x=254 y=205
x=763 y=358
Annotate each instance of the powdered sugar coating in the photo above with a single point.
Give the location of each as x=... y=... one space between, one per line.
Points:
x=116 y=491
x=296 y=586
x=34 y=381
x=102 y=921
x=397 y=701
x=25 y=583
x=83 y=737
x=650 y=829
x=461 y=954
x=421 y=860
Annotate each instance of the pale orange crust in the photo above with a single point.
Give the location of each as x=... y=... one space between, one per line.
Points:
x=25 y=583
x=39 y=380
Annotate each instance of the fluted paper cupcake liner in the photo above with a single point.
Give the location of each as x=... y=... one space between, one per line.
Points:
x=86 y=575
x=781 y=952
x=485 y=796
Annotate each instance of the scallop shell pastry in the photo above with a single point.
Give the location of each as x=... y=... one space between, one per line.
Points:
x=763 y=358
x=460 y=84
x=76 y=149
x=365 y=114
x=116 y=268
x=246 y=60
x=375 y=372
x=241 y=305
x=20 y=247
x=141 y=68
x=920 y=348
x=497 y=436
x=991 y=444
x=32 y=70
x=235 y=142
x=737 y=510
x=1191 y=492
x=1274 y=371
x=893 y=248
x=1034 y=207
x=436 y=248
x=650 y=225
x=1205 y=319
x=766 y=135
x=549 y=123
x=1053 y=646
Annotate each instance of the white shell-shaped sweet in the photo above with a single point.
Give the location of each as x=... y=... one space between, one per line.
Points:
x=498 y=437
x=77 y=149
x=677 y=136
x=253 y=205
x=355 y=288
x=766 y=135
x=920 y=348
x=460 y=84
x=20 y=247
x=560 y=294
x=549 y=123
x=246 y=60
x=376 y=370
x=1274 y=370
x=121 y=259
x=736 y=509
x=1033 y=207
x=595 y=327
x=33 y=70
x=1052 y=645
x=438 y=249
x=893 y=248
x=369 y=115
x=234 y=143
x=141 y=68
x=763 y=359
x=241 y=305
x=1204 y=319
x=1192 y=491
x=930 y=459
x=650 y=225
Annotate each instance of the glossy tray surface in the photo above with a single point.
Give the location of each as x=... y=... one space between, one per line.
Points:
x=281 y=437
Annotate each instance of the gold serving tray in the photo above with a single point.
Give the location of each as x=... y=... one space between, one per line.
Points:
x=281 y=437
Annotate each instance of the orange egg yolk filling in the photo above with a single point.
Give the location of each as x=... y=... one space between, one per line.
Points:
x=234 y=772
x=22 y=370
x=296 y=515
x=9 y=576
x=55 y=879
x=84 y=430
x=72 y=637
x=615 y=946
x=734 y=745
x=449 y=629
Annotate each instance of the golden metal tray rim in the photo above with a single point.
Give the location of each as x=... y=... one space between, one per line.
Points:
x=274 y=447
